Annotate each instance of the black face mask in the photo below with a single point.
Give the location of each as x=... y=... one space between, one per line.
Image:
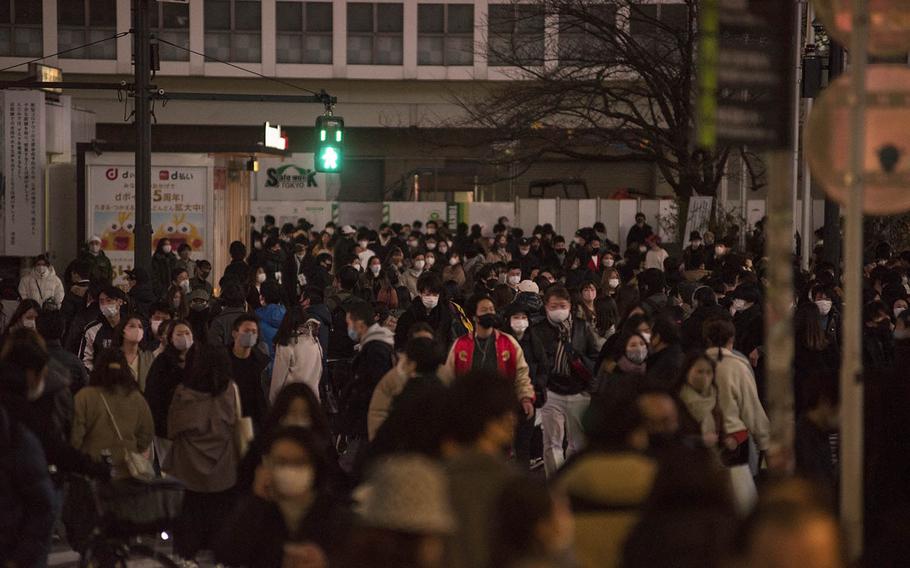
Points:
x=492 y=282
x=488 y=321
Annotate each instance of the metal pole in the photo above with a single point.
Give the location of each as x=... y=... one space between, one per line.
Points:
x=807 y=228
x=851 y=434
x=143 y=124
x=797 y=98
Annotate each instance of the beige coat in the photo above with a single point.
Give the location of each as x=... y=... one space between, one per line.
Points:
x=738 y=396
x=390 y=386
x=93 y=431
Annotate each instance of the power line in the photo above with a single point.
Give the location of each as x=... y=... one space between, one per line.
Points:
x=78 y=47
x=250 y=71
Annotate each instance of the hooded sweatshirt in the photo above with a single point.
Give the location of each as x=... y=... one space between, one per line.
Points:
x=33 y=286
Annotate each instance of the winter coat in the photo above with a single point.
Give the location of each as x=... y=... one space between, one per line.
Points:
x=142 y=296
x=510 y=356
x=99 y=265
x=456 y=274
x=160 y=384
x=373 y=360
x=97 y=336
x=75 y=371
x=222 y=326
x=663 y=366
x=26 y=497
x=390 y=386
x=272 y=262
x=409 y=280
x=692 y=329
x=202 y=427
x=340 y=345
x=738 y=396
x=439 y=318
x=321 y=313
x=638 y=234
x=146 y=360
x=300 y=361
x=163 y=266
x=239 y=270
x=270 y=318
x=606 y=491
x=94 y=432
x=32 y=286
x=544 y=340
x=750 y=329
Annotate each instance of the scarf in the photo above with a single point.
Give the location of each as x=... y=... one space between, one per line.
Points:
x=629 y=367
x=563 y=346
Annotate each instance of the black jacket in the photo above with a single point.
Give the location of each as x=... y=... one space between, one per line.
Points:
x=239 y=270
x=142 y=296
x=750 y=330
x=374 y=359
x=663 y=366
x=163 y=379
x=272 y=262
x=75 y=371
x=439 y=318
x=255 y=535
x=162 y=267
x=26 y=496
x=691 y=330
x=638 y=234
x=544 y=340
x=340 y=345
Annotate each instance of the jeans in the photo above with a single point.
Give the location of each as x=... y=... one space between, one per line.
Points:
x=561 y=422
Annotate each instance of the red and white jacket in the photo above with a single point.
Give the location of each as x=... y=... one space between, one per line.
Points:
x=510 y=360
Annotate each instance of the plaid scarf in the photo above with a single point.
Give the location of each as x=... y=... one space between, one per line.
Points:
x=561 y=361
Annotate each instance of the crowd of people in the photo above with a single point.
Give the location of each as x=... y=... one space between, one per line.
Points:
x=425 y=395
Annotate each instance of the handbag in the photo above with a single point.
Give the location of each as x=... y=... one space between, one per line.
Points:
x=138 y=466
x=243 y=428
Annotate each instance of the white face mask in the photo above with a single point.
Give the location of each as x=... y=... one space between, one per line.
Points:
x=419 y=264
x=94 y=248
x=739 y=305
x=514 y=280
x=134 y=334
x=558 y=316
x=519 y=325
x=642 y=248
x=41 y=271
x=637 y=355
x=293 y=480
x=453 y=261
x=28 y=323
x=260 y=278
x=185 y=286
x=430 y=261
x=183 y=342
x=110 y=310
x=429 y=301
x=375 y=269
x=155 y=325
x=363 y=244
x=719 y=251
x=431 y=246
x=613 y=282
x=647 y=336
x=898 y=312
x=609 y=262
x=166 y=249
x=824 y=306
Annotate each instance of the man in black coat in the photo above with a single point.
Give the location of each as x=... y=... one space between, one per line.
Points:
x=428 y=308
x=639 y=232
x=666 y=354
x=141 y=294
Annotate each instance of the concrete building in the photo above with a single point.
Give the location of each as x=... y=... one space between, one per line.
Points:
x=396 y=67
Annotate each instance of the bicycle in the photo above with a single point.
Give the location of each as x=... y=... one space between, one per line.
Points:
x=111 y=518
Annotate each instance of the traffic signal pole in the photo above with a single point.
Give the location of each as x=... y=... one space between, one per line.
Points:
x=143 y=125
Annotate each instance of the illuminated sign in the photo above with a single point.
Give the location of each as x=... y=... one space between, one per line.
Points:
x=273 y=137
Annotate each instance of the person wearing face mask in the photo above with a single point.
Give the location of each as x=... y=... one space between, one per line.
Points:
x=200 y=303
x=630 y=362
x=829 y=314
x=164 y=262
x=488 y=349
x=593 y=312
x=98 y=265
x=372 y=360
x=292 y=517
x=665 y=354
x=201 y=420
x=273 y=260
x=375 y=279
x=565 y=349
x=25 y=316
x=639 y=232
x=184 y=261
x=42 y=284
x=168 y=371
x=610 y=281
x=517 y=322
x=248 y=364
x=694 y=247
x=431 y=307
x=99 y=335
x=298 y=353
x=160 y=314
x=140 y=291
x=128 y=336
x=411 y=275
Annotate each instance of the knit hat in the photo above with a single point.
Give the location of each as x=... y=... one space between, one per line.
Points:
x=406 y=493
x=528 y=286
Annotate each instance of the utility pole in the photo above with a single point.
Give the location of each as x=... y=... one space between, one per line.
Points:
x=143 y=123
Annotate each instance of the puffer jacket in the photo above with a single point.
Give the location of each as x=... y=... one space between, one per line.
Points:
x=33 y=286
x=270 y=317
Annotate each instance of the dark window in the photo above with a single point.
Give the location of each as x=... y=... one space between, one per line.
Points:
x=445 y=34
x=375 y=34
x=516 y=35
x=81 y=22
x=293 y=44
x=233 y=30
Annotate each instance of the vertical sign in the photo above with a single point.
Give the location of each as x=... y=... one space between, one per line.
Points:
x=745 y=72
x=23 y=162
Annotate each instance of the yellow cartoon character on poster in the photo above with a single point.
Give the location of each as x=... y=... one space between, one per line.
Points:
x=118 y=234
x=179 y=230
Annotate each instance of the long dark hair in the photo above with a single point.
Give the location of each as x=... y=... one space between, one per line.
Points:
x=118 y=331
x=211 y=370
x=111 y=371
x=286 y=396
x=690 y=360
x=807 y=329
x=293 y=319
x=24 y=306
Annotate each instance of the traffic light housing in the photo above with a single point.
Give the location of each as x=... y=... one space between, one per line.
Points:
x=329 y=154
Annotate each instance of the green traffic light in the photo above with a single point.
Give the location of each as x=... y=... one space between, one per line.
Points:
x=329 y=159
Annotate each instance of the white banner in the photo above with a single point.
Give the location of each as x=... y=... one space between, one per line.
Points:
x=289 y=179
x=180 y=209
x=698 y=217
x=317 y=213
x=23 y=161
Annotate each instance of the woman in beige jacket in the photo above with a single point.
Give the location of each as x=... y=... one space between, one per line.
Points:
x=111 y=414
